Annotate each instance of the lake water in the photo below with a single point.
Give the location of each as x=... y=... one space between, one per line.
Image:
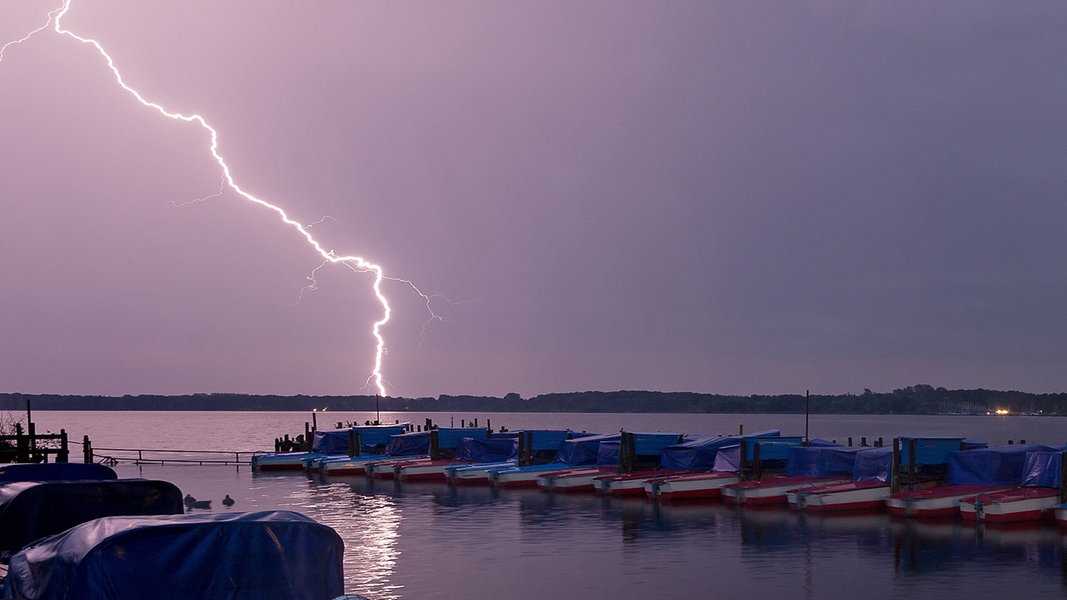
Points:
x=416 y=541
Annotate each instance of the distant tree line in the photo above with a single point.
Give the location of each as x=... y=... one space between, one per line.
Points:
x=916 y=399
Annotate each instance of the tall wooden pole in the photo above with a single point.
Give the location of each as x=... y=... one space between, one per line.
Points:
x=807 y=414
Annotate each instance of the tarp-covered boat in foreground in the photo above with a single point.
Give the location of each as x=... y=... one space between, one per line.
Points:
x=55 y=472
x=277 y=555
x=30 y=510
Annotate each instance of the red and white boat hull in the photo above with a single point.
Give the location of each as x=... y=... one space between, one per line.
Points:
x=934 y=503
x=771 y=491
x=693 y=486
x=626 y=484
x=430 y=470
x=1011 y=506
x=849 y=496
x=577 y=480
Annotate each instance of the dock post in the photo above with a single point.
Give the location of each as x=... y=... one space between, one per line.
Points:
x=22 y=445
x=87 y=450
x=34 y=456
x=64 y=451
x=1063 y=477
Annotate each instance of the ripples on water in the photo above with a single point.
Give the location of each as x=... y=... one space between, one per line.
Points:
x=425 y=541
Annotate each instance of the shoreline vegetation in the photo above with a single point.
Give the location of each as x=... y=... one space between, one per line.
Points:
x=916 y=399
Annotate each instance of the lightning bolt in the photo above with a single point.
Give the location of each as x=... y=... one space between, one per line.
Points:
x=353 y=262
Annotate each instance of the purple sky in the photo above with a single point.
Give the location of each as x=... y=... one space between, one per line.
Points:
x=726 y=197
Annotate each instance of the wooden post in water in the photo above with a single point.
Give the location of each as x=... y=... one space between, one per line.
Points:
x=807 y=416
x=64 y=452
x=22 y=445
x=1063 y=477
x=87 y=450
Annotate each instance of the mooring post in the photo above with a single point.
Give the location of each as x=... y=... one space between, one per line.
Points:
x=807 y=415
x=87 y=450
x=33 y=442
x=64 y=452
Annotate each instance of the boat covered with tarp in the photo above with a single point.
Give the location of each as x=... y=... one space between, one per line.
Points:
x=1036 y=498
x=579 y=450
x=632 y=452
x=970 y=472
x=30 y=510
x=349 y=441
x=534 y=447
x=793 y=464
x=400 y=446
x=697 y=452
x=472 y=448
x=59 y=471
x=867 y=490
x=278 y=555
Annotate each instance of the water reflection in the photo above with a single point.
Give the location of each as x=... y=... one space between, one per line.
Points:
x=430 y=540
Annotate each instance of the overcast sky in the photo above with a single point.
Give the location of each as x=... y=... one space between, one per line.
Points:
x=729 y=197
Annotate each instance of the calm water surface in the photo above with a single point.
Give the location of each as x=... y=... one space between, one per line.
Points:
x=416 y=541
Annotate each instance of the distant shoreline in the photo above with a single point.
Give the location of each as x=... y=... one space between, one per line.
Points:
x=918 y=399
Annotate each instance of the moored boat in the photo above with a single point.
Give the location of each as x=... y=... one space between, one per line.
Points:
x=233 y=556
x=576 y=451
x=689 y=486
x=772 y=490
x=466 y=451
x=30 y=510
x=970 y=473
x=629 y=484
x=868 y=489
x=1036 y=499
x=350 y=441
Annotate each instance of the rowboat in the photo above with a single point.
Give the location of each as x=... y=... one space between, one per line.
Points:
x=572 y=480
x=1016 y=505
x=578 y=451
x=970 y=473
x=1036 y=498
x=629 y=484
x=233 y=556
x=773 y=490
x=468 y=451
x=847 y=496
x=689 y=486
x=30 y=510
x=868 y=489
x=941 y=502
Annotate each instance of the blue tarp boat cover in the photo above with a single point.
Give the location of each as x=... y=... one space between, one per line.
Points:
x=372 y=438
x=1041 y=469
x=278 y=555
x=30 y=510
x=1000 y=465
x=607 y=453
x=334 y=441
x=409 y=444
x=929 y=450
x=873 y=464
x=697 y=452
x=728 y=459
x=481 y=450
x=581 y=451
x=55 y=472
x=821 y=461
x=653 y=444
x=449 y=437
x=546 y=439
x=773 y=448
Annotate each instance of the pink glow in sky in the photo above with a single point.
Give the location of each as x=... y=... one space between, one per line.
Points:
x=691 y=196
